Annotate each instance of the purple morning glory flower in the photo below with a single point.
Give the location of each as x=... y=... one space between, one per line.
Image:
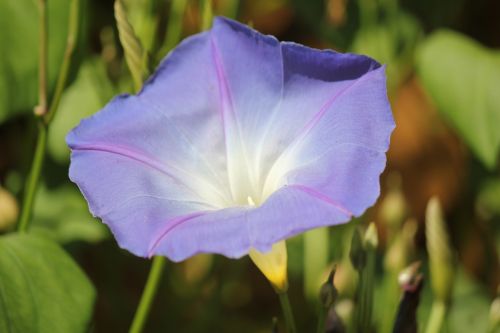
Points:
x=237 y=141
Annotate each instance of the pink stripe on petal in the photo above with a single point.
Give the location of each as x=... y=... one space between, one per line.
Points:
x=322 y=197
x=170 y=225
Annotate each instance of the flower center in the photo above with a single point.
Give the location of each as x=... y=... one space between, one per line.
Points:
x=250 y=201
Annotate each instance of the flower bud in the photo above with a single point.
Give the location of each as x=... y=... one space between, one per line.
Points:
x=440 y=252
x=328 y=293
x=9 y=210
x=273 y=265
x=402 y=247
x=371 y=237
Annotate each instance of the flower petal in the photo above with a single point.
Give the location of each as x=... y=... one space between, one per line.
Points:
x=313 y=82
x=250 y=78
x=222 y=232
x=133 y=198
x=230 y=114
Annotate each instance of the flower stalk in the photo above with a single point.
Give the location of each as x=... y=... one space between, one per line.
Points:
x=287 y=312
x=136 y=57
x=148 y=294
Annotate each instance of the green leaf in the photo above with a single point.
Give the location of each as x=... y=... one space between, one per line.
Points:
x=41 y=288
x=463 y=77
x=19 y=56
x=89 y=93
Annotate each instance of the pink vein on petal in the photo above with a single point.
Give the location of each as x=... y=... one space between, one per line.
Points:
x=317 y=117
x=322 y=197
x=170 y=225
x=144 y=159
x=224 y=92
x=126 y=152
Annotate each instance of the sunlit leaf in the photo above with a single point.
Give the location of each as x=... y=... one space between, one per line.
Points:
x=89 y=93
x=462 y=78
x=41 y=288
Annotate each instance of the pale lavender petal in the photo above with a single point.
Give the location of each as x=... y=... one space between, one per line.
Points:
x=312 y=79
x=224 y=232
x=250 y=76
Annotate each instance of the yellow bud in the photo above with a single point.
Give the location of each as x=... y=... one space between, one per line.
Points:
x=440 y=252
x=9 y=210
x=371 y=236
x=273 y=265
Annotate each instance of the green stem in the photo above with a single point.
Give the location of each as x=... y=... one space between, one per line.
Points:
x=41 y=109
x=436 y=319
x=364 y=306
x=287 y=312
x=68 y=53
x=148 y=295
x=33 y=178
x=321 y=319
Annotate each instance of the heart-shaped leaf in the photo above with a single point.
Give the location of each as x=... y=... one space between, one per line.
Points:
x=41 y=288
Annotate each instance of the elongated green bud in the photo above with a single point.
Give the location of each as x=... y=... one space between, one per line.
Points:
x=134 y=53
x=440 y=252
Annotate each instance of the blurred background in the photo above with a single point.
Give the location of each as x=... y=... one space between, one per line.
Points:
x=443 y=66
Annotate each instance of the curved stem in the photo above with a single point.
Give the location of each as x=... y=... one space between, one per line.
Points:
x=45 y=116
x=33 y=178
x=287 y=312
x=68 y=53
x=436 y=319
x=148 y=295
x=40 y=111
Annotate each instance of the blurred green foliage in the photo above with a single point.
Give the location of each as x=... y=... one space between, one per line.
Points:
x=18 y=58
